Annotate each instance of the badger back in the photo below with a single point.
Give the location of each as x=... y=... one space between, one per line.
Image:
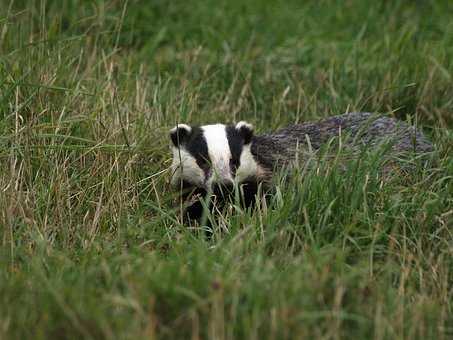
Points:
x=356 y=130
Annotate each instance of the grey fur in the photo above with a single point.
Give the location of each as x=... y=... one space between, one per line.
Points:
x=363 y=129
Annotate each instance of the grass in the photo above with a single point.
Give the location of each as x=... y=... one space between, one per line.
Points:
x=90 y=240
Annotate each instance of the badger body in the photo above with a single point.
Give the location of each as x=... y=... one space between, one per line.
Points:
x=357 y=130
x=216 y=158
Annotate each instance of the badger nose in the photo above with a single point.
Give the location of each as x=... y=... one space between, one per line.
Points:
x=222 y=189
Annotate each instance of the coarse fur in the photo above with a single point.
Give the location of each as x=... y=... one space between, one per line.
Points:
x=217 y=158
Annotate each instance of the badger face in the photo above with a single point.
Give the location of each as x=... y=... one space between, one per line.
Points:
x=210 y=156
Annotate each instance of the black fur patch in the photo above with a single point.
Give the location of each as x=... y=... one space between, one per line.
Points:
x=236 y=143
x=196 y=145
x=179 y=136
x=246 y=134
x=189 y=190
x=194 y=211
x=249 y=189
x=248 y=192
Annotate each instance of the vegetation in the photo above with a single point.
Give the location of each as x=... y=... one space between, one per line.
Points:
x=91 y=243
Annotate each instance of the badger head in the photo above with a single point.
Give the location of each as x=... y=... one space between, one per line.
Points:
x=212 y=157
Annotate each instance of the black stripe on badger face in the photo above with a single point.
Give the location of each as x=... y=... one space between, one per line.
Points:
x=238 y=136
x=198 y=148
x=236 y=143
x=190 y=155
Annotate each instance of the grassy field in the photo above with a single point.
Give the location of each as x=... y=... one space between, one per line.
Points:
x=91 y=243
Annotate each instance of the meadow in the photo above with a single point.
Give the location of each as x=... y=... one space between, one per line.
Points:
x=91 y=240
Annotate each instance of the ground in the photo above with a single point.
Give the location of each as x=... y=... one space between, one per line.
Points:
x=91 y=243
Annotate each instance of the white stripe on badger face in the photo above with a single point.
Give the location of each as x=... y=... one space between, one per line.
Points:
x=219 y=154
x=185 y=167
x=248 y=166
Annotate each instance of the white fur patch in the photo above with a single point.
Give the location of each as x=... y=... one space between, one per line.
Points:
x=181 y=126
x=244 y=124
x=219 y=153
x=185 y=167
x=248 y=166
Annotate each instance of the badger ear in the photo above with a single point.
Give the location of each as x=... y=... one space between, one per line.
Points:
x=179 y=134
x=245 y=130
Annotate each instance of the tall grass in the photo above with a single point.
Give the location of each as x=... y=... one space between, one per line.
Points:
x=91 y=243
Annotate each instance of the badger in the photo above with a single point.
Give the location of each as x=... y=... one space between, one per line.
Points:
x=215 y=159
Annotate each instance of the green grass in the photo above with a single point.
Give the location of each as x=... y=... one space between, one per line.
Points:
x=90 y=240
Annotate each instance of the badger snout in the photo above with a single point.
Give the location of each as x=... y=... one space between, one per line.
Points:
x=222 y=183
